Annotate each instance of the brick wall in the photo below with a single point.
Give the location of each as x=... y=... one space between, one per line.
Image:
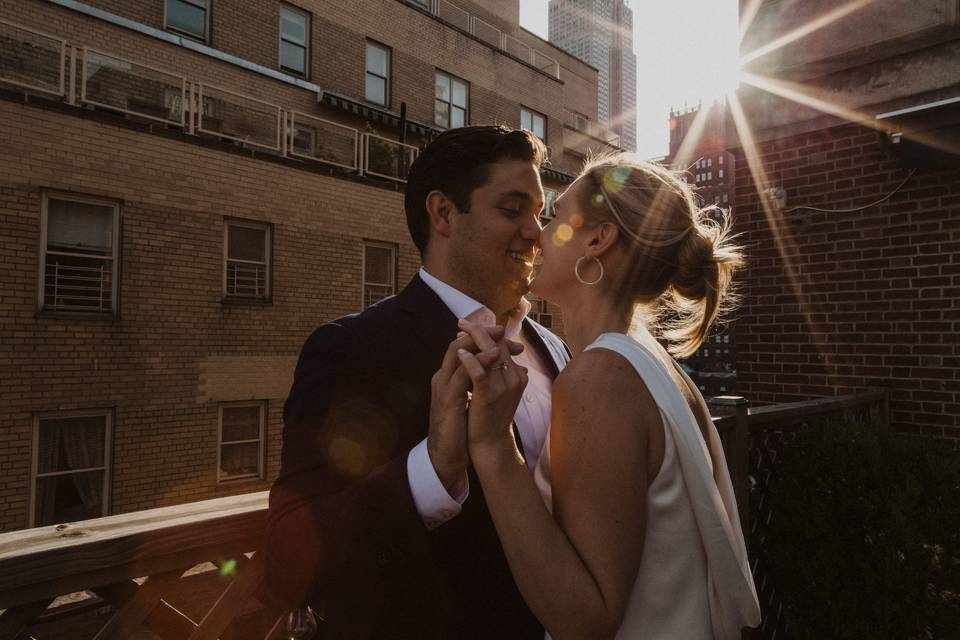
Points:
x=874 y=297
x=153 y=365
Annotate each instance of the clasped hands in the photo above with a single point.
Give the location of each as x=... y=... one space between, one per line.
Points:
x=474 y=396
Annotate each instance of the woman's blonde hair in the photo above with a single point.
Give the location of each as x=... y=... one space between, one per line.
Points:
x=683 y=256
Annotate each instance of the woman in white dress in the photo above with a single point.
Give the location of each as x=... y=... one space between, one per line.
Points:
x=629 y=527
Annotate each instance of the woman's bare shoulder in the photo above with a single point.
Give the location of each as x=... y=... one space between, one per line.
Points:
x=601 y=377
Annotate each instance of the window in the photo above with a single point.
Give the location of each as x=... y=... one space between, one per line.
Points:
x=706 y=353
x=720 y=173
x=378 y=73
x=452 y=96
x=709 y=175
x=726 y=339
x=304 y=139
x=726 y=198
x=188 y=17
x=246 y=260
x=379 y=271
x=549 y=197
x=240 y=454
x=71 y=464
x=720 y=160
x=535 y=123
x=294 y=40
x=79 y=254
x=709 y=162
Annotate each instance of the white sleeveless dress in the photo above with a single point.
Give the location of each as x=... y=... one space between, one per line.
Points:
x=694 y=580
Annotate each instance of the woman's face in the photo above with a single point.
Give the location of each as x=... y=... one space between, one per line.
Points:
x=562 y=243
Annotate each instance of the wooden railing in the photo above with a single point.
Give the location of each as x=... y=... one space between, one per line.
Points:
x=188 y=571
x=192 y=571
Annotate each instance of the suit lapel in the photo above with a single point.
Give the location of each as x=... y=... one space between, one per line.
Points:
x=551 y=351
x=434 y=325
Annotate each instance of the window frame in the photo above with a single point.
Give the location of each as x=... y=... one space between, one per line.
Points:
x=207 y=10
x=549 y=198
x=115 y=254
x=533 y=114
x=387 y=81
x=450 y=105
x=268 y=261
x=107 y=414
x=261 y=441
x=306 y=46
x=363 y=270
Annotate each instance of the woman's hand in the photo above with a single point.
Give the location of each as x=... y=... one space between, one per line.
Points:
x=498 y=385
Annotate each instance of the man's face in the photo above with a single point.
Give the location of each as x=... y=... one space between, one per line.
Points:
x=493 y=245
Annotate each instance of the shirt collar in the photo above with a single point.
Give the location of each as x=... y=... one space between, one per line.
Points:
x=463 y=306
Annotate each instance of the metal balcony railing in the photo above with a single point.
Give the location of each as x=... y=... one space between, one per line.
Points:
x=31 y=59
x=591 y=128
x=453 y=14
x=114 y=83
x=459 y=17
x=235 y=116
x=387 y=158
x=323 y=141
x=486 y=32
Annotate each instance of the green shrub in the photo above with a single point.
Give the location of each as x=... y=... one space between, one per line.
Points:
x=864 y=541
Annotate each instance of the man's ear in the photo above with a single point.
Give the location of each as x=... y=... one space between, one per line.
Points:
x=440 y=208
x=605 y=236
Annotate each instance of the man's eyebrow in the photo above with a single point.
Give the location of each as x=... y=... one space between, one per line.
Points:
x=523 y=195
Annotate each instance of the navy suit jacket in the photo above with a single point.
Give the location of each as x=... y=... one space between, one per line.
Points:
x=343 y=533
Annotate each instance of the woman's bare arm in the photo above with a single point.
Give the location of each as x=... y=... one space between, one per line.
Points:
x=576 y=569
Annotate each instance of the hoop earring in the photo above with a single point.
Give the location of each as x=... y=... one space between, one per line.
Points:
x=576 y=271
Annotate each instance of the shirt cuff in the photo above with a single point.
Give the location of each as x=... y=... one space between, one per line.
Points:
x=433 y=503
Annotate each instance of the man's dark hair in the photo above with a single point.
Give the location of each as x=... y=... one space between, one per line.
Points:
x=456 y=163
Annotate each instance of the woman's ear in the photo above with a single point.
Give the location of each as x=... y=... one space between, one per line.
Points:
x=439 y=209
x=605 y=236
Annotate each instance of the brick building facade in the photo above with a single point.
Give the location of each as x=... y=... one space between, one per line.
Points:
x=187 y=189
x=848 y=192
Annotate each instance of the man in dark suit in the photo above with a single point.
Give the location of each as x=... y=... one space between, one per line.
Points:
x=376 y=520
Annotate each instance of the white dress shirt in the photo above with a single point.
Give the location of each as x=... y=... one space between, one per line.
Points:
x=433 y=503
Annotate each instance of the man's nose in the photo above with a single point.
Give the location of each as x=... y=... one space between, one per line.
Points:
x=531 y=229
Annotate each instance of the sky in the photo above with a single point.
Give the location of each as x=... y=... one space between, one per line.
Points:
x=686 y=53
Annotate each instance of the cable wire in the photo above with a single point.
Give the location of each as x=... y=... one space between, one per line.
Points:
x=856 y=209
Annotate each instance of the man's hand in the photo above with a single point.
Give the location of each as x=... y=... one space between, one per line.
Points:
x=447 y=436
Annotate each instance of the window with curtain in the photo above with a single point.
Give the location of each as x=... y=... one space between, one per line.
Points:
x=188 y=17
x=377 y=88
x=379 y=272
x=294 y=40
x=79 y=256
x=451 y=100
x=72 y=465
x=241 y=441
